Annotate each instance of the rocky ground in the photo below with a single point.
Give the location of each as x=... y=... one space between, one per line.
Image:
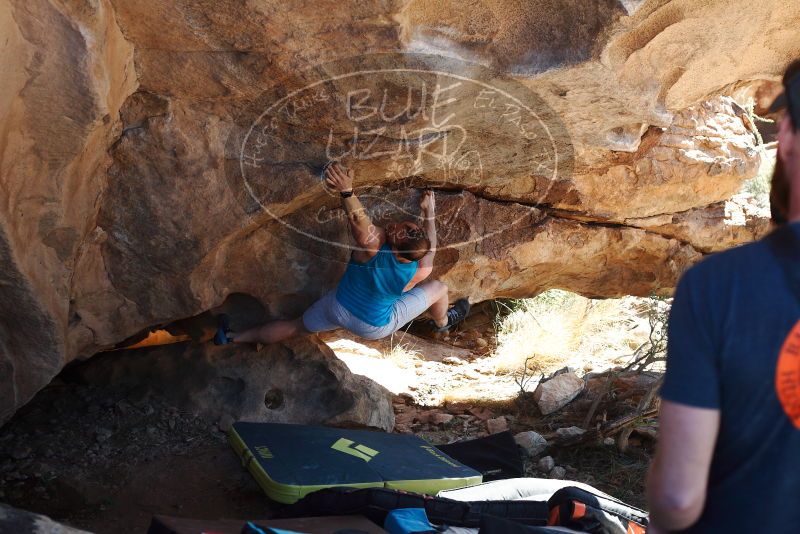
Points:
x=105 y=460
x=100 y=461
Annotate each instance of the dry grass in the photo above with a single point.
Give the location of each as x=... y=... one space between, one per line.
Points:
x=559 y=328
x=400 y=353
x=759 y=187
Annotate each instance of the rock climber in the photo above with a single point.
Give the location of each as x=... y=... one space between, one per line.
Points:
x=728 y=453
x=382 y=288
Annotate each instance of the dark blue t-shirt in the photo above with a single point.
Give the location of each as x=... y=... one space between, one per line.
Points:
x=730 y=317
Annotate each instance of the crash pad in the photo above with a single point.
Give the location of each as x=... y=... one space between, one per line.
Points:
x=290 y=461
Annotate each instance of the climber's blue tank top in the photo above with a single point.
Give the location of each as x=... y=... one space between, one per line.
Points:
x=369 y=290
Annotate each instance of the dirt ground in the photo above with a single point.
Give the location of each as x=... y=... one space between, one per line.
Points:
x=96 y=460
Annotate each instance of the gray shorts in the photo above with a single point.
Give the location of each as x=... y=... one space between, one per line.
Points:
x=328 y=314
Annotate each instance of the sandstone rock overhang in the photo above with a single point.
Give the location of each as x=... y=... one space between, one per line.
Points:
x=119 y=212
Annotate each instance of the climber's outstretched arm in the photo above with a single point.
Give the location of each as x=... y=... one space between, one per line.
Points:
x=427 y=204
x=425 y=266
x=367 y=236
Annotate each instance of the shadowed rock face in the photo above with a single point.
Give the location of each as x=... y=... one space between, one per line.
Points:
x=300 y=381
x=160 y=155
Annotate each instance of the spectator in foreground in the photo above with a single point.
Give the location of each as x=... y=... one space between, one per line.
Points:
x=728 y=457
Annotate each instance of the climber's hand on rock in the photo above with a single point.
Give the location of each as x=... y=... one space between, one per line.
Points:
x=427 y=203
x=339 y=177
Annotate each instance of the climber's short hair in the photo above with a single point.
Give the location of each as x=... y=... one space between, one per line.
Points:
x=414 y=244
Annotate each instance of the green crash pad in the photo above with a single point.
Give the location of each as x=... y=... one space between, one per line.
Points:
x=291 y=461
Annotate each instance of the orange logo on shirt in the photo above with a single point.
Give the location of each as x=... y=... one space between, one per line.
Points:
x=787 y=376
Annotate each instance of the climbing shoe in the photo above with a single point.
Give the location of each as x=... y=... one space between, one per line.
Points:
x=457 y=313
x=223 y=328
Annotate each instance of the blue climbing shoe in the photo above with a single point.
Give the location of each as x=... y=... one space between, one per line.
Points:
x=223 y=328
x=457 y=313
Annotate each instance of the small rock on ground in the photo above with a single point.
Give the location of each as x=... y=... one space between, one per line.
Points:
x=532 y=442
x=20 y=453
x=570 y=431
x=558 y=472
x=546 y=464
x=496 y=425
x=484 y=414
x=225 y=423
x=102 y=434
x=441 y=418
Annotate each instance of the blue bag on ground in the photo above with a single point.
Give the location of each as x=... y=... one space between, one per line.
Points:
x=408 y=521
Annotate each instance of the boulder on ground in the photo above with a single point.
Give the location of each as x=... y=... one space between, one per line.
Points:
x=557 y=392
x=298 y=381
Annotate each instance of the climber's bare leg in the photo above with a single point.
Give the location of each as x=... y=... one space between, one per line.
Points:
x=436 y=292
x=271 y=332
